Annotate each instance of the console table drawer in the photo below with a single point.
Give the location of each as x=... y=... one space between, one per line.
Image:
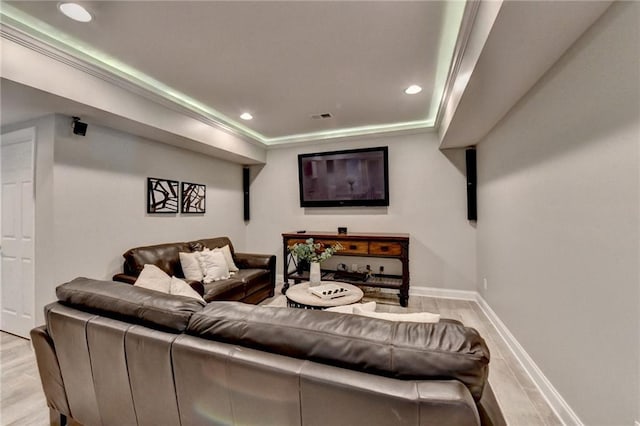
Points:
x=385 y=249
x=354 y=247
x=326 y=243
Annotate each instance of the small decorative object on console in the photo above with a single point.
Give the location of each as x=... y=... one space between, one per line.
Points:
x=329 y=291
x=314 y=252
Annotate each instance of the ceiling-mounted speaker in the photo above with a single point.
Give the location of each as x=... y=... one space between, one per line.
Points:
x=472 y=202
x=79 y=128
x=246 y=175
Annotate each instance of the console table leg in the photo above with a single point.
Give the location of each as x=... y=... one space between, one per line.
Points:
x=285 y=287
x=404 y=298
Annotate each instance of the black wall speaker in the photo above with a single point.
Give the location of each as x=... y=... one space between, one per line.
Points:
x=245 y=188
x=472 y=205
x=79 y=128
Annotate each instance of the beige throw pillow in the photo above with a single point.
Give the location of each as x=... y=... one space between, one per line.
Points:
x=181 y=288
x=227 y=255
x=214 y=265
x=348 y=309
x=154 y=278
x=191 y=266
x=424 y=317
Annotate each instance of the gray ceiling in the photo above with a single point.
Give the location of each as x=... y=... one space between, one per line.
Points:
x=280 y=61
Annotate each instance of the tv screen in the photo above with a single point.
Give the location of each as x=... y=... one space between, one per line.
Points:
x=355 y=177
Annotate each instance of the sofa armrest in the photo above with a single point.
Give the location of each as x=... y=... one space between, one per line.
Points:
x=124 y=278
x=196 y=285
x=49 y=369
x=251 y=260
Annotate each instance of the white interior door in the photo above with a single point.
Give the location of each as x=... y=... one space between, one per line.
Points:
x=17 y=298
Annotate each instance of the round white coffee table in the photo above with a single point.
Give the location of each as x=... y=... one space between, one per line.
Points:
x=298 y=296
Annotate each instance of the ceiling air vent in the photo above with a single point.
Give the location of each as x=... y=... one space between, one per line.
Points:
x=322 y=116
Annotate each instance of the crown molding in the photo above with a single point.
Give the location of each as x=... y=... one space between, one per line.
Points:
x=24 y=39
x=466 y=26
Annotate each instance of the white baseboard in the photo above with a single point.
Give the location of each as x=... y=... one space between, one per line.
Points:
x=555 y=400
x=443 y=293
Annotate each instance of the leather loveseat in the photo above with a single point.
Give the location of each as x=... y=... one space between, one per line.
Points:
x=115 y=354
x=254 y=282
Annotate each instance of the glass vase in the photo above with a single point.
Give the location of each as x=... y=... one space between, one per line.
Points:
x=314 y=274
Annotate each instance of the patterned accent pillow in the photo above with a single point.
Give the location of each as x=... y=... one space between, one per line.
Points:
x=196 y=246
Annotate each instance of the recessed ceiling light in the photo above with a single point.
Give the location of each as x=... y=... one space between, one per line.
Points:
x=246 y=116
x=75 y=12
x=413 y=89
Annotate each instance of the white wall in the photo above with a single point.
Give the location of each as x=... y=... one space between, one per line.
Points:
x=427 y=200
x=105 y=99
x=91 y=200
x=558 y=221
x=100 y=199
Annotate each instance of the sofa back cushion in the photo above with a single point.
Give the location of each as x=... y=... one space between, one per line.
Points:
x=211 y=243
x=402 y=350
x=164 y=256
x=129 y=303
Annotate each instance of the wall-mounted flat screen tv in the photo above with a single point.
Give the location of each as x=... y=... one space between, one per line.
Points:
x=355 y=177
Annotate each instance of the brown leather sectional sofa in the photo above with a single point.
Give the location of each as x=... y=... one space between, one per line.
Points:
x=254 y=282
x=115 y=354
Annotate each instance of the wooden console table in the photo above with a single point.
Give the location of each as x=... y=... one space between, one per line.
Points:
x=392 y=246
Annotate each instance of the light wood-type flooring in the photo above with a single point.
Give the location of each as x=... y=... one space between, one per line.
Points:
x=22 y=402
x=520 y=400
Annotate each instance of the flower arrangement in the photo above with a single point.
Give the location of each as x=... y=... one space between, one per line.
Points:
x=314 y=252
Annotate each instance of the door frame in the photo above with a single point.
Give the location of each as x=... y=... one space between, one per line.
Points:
x=9 y=138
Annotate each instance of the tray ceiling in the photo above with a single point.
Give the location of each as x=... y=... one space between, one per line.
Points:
x=283 y=62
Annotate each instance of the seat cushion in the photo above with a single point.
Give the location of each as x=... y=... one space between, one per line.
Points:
x=229 y=289
x=254 y=280
x=251 y=275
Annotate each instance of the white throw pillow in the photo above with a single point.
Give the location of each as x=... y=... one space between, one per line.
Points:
x=154 y=278
x=191 y=266
x=181 y=288
x=214 y=265
x=227 y=255
x=348 y=309
x=408 y=317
